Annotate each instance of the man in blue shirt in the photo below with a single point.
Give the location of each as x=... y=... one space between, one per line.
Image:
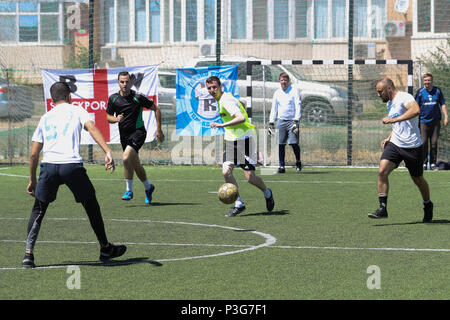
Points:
x=429 y=99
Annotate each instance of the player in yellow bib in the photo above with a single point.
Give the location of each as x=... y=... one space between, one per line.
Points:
x=240 y=146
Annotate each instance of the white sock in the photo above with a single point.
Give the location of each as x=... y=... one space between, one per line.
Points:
x=267 y=193
x=129 y=184
x=238 y=203
x=146 y=184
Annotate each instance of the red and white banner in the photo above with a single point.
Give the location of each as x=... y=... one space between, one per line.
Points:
x=92 y=88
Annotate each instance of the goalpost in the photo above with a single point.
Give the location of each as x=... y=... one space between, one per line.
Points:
x=363 y=107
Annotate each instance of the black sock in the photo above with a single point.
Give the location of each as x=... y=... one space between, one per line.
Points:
x=281 y=154
x=382 y=198
x=296 y=149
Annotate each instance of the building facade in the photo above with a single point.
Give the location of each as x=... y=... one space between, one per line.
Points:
x=48 y=34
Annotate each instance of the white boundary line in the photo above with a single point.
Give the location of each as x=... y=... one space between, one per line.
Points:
x=221 y=180
x=269 y=240
x=356 y=248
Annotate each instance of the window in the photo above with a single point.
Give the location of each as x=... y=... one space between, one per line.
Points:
x=260 y=11
x=378 y=20
x=123 y=21
x=191 y=20
x=281 y=19
x=238 y=19
x=441 y=16
x=167 y=80
x=360 y=18
x=177 y=20
x=301 y=19
x=339 y=19
x=147 y=21
x=155 y=21
x=30 y=22
x=108 y=21
x=166 y=21
x=209 y=19
x=28 y=28
x=139 y=20
x=423 y=16
x=321 y=19
x=433 y=16
x=369 y=18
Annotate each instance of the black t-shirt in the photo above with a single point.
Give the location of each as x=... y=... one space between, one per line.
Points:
x=131 y=107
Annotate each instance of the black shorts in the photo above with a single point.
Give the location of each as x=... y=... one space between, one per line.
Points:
x=134 y=139
x=413 y=157
x=73 y=175
x=241 y=152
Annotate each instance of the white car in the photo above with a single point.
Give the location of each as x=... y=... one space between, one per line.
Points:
x=15 y=101
x=167 y=90
x=321 y=103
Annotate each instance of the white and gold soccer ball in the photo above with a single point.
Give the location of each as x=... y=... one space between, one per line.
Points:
x=228 y=193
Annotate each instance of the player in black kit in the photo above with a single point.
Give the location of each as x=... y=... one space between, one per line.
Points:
x=125 y=107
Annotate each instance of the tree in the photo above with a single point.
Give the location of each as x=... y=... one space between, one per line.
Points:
x=81 y=60
x=437 y=62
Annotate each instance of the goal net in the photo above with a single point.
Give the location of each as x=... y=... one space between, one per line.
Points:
x=341 y=121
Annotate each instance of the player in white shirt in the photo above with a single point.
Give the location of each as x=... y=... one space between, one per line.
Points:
x=287 y=106
x=403 y=144
x=58 y=136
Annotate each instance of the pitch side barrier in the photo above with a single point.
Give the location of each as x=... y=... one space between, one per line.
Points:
x=348 y=62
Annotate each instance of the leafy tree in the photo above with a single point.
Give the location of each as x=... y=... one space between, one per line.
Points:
x=437 y=62
x=81 y=59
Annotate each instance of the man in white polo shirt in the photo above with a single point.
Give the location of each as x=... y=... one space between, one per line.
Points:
x=287 y=106
x=403 y=144
x=58 y=135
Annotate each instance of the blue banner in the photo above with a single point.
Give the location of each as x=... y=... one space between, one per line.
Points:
x=196 y=108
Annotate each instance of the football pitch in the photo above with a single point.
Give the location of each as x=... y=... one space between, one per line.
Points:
x=318 y=243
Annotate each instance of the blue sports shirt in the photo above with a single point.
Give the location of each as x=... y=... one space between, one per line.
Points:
x=430 y=102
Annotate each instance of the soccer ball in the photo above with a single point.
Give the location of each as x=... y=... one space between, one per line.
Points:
x=228 y=193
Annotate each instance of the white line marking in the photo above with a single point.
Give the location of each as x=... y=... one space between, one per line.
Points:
x=268 y=181
x=356 y=248
x=269 y=240
x=138 y=243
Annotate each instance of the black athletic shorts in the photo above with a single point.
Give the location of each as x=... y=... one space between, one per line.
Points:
x=241 y=152
x=73 y=175
x=135 y=139
x=413 y=157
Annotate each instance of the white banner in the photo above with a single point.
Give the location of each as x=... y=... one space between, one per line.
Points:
x=92 y=88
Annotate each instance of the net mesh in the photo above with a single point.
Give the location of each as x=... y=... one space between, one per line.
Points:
x=171 y=33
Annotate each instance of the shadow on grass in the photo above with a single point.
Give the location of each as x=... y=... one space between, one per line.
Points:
x=311 y=172
x=162 y=204
x=273 y=213
x=290 y=172
x=413 y=222
x=111 y=263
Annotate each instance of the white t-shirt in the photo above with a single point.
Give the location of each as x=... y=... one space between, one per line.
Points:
x=286 y=104
x=405 y=134
x=60 y=132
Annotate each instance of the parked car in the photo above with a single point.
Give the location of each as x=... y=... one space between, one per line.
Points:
x=167 y=90
x=15 y=101
x=321 y=103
